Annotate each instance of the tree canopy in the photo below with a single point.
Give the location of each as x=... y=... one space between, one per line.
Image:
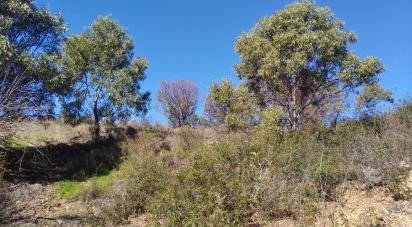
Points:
x=30 y=39
x=371 y=95
x=232 y=106
x=300 y=57
x=100 y=77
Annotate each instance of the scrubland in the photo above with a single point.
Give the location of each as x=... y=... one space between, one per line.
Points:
x=154 y=175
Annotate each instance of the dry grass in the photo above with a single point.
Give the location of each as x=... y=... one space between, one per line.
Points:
x=40 y=133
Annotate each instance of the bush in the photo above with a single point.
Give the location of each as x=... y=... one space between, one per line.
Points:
x=148 y=179
x=404 y=113
x=269 y=129
x=213 y=189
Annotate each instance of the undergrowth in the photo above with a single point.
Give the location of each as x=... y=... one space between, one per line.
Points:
x=214 y=177
x=191 y=177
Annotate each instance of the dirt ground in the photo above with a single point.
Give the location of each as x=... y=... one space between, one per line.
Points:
x=39 y=205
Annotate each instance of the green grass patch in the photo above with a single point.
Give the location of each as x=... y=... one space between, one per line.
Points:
x=70 y=189
x=102 y=181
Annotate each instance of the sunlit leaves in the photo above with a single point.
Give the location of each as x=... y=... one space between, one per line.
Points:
x=299 y=57
x=369 y=98
x=100 y=76
x=235 y=107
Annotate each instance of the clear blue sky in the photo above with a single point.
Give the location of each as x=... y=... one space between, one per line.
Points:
x=194 y=39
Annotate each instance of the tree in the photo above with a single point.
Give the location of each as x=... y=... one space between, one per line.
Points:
x=368 y=100
x=232 y=106
x=269 y=129
x=100 y=77
x=299 y=57
x=30 y=40
x=179 y=101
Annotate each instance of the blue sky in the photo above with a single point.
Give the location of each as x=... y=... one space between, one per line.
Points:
x=194 y=40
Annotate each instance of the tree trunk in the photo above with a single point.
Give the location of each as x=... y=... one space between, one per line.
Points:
x=294 y=114
x=96 y=126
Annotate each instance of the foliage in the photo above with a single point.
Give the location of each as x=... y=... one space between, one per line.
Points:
x=144 y=174
x=232 y=106
x=372 y=94
x=143 y=184
x=100 y=76
x=30 y=39
x=404 y=112
x=299 y=57
x=269 y=127
x=206 y=176
x=179 y=101
x=214 y=189
x=230 y=179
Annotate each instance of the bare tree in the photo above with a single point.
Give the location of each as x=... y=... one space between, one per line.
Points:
x=179 y=101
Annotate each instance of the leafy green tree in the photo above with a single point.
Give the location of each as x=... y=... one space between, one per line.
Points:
x=299 y=57
x=232 y=106
x=100 y=77
x=367 y=101
x=30 y=39
x=179 y=101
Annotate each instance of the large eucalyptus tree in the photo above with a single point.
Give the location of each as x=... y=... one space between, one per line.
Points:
x=299 y=57
x=100 y=77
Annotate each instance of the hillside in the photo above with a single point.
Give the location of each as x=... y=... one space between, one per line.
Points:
x=355 y=174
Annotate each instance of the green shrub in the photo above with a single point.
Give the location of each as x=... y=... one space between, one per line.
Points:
x=404 y=113
x=213 y=189
x=148 y=179
x=269 y=130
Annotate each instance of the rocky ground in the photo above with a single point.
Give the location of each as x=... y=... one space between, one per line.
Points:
x=374 y=207
x=360 y=206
